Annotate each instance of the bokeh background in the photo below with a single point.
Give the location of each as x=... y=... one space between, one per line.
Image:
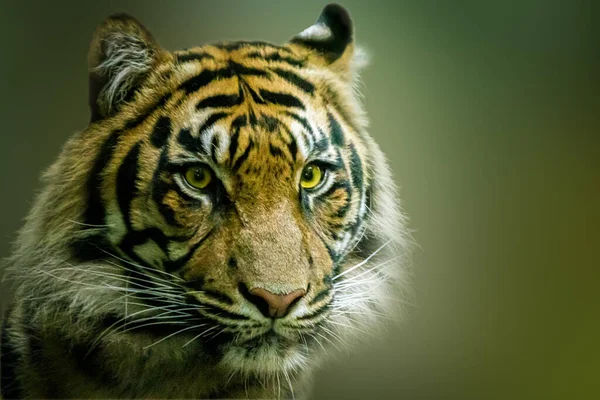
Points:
x=489 y=112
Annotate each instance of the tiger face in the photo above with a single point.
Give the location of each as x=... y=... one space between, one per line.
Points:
x=232 y=191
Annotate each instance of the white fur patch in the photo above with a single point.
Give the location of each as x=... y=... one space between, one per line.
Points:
x=303 y=139
x=316 y=32
x=127 y=57
x=223 y=141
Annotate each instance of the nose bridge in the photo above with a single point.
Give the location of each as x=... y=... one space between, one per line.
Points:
x=272 y=245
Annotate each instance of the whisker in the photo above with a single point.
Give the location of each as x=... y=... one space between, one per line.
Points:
x=169 y=336
x=113 y=276
x=175 y=322
x=141 y=266
x=106 y=331
x=90 y=225
x=372 y=268
x=363 y=261
x=200 y=334
x=350 y=327
x=168 y=282
x=287 y=378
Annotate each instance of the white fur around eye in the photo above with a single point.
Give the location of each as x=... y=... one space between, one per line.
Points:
x=187 y=189
x=328 y=180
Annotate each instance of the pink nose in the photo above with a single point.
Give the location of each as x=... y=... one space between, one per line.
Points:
x=278 y=304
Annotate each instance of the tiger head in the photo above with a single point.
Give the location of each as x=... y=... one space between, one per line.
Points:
x=238 y=181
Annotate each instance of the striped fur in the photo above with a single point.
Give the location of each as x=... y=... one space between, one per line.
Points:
x=132 y=283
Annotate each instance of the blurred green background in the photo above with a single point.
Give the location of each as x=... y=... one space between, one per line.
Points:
x=489 y=112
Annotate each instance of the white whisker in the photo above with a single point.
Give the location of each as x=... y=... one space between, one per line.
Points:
x=363 y=261
x=169 y=336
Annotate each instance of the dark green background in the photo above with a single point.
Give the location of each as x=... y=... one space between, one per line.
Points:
x=489 y=112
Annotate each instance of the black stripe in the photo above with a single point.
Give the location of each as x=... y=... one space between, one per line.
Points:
x=323 y=294
x=136 y=238
x=217 y=296
x=295 y=80
x=221 y=100
x=212 y=311
x=189 y=142
x=146 y=113
x=175 y=265
x=282 y=99
x=95 y=213
x=252 y=116
x=277 y=57
x=336 y=186
x=322 y=144
x=126 y=182
x=332 y=253
x=90 y=248
x=210 y=121
x=332 y=97
x=196 y=283
x=337 y=135
x=255 y=98
x=302 y=121
x=356 y=168
x=332 y=49
x=275 y=151
x=214 y=147
x=161 y=132
x=204 y=78
x=243 y=157
x=233 y=144
x=160 y=189
x=315 y=314
x=182 y=58
x=269 y=123
x=240 y=69
x=293 y=147
x=236 y=125
x=230 y=46
x=369 y=196
x=343 y=210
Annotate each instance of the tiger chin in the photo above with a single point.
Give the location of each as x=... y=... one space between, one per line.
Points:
x=222 y=226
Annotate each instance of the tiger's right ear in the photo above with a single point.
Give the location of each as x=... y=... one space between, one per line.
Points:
x=329 y=41
x=121 y=53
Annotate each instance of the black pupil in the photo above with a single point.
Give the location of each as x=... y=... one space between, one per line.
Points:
x=308 y=174
x=199 y=174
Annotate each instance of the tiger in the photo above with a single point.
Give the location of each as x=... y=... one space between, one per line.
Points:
x=222 y=227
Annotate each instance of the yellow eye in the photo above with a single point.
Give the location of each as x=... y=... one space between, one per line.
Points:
x=199 y=176
x=311 y=176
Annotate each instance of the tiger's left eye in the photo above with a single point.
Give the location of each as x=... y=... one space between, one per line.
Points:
x=312 y=176
x=198 y=176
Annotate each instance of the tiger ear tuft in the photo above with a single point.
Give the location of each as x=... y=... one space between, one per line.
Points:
x=329 y=41
x=121 y=53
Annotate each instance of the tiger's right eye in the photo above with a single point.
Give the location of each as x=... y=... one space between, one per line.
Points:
x=198 y=177
x=312 y=176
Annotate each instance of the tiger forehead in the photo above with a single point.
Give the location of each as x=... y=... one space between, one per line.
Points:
x=244 y=143
x=247 y=51
x=242 y=111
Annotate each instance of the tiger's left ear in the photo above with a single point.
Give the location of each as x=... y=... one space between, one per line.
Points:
x=121 y=53
x=329 y=42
